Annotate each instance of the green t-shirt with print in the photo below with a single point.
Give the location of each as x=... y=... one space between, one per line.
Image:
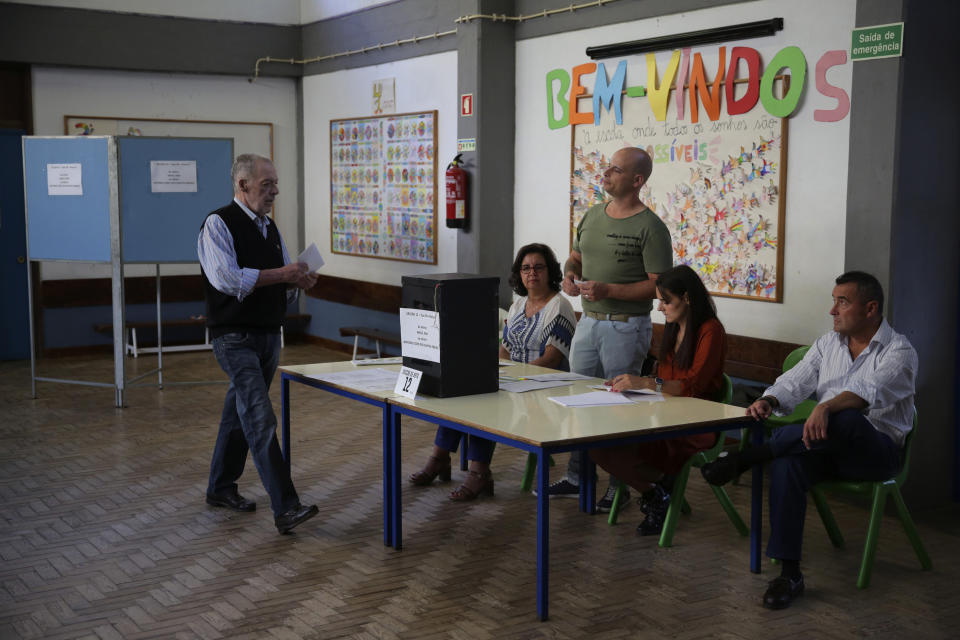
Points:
x=621 y=251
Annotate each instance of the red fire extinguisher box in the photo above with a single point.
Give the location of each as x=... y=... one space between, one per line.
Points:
x=467 y=306
x=456 y=190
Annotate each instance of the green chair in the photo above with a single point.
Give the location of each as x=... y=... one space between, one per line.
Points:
x=678 y=501
x=799 y=414
x=879 y=491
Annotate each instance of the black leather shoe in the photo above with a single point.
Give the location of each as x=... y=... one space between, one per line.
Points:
x=231 y=501
x=781 y=592
x=721 y=471
x=296 y=516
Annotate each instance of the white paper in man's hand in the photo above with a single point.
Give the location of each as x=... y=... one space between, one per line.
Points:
x=311 y=256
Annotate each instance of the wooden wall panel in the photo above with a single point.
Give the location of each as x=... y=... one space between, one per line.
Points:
x=357 y=293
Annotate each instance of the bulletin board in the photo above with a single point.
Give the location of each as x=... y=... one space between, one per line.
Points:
x=66 y=222
x=719 y=186
x=161 y=225
x=383 y=187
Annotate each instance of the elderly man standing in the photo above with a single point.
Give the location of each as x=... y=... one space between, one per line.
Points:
x=249 y=281
x=618 y=250
x=863 y=374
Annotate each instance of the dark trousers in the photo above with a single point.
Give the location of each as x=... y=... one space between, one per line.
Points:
x=853 y=450
x=479 y=449
x=248 y=422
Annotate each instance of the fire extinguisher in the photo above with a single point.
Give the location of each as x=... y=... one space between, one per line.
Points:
x=456 y=194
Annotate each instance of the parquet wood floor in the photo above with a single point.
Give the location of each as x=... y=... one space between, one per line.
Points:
x=104 y=534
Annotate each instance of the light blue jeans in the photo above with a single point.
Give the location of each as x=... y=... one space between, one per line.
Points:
x=605 y=349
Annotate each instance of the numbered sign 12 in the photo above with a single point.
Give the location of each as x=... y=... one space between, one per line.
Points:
x=407 y=382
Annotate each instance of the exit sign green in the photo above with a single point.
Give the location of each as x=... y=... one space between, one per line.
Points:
x=881 y=41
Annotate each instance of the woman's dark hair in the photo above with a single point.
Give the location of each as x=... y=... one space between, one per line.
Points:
x=677 y=282
x=554 y=274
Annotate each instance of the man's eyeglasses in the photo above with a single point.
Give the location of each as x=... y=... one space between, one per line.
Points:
x=536 y=267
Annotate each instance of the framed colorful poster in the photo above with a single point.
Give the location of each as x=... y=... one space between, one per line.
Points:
x=717 y=184
x=383 y=187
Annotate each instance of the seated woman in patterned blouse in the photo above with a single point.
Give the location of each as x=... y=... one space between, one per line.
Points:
x=690 y=363
x=538 y=331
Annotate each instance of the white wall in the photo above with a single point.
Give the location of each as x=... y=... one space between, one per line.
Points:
x=816 y=168
x=58 y=92
x=429 y=82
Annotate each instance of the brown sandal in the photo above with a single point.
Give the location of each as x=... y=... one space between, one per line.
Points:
x=435 y=467
x=475 y=484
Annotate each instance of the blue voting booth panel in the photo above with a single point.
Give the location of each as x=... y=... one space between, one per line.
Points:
x=162 y=226
x=68 y=227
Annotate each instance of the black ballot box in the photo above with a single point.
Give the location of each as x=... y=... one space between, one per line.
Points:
x=469 y=347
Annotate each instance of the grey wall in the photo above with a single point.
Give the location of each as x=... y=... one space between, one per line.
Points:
x=902 y=217
x=924 y=263
x=109 y=40
x=485 y=50
x=381 y=24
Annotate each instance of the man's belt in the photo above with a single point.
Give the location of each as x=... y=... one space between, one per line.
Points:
x=614 y=317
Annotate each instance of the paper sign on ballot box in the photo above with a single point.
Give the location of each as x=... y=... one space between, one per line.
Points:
x=420 y=334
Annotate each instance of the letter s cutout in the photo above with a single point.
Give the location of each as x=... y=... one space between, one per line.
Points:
x=831 y=59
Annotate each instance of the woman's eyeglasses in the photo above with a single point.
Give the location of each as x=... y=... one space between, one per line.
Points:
x=527 y=268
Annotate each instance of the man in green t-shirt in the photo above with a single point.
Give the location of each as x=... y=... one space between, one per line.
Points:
x=618 y=250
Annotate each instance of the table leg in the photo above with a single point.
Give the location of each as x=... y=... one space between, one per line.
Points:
x=285 y=419
x=588 y=482
x=756 y=502
x=387 y=476
x=543 y=534
x=396 y=512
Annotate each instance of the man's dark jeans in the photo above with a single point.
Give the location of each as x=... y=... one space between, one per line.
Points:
x=248 y=421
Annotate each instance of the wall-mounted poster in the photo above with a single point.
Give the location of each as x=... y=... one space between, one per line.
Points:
x=717 y=184
x=383 y=187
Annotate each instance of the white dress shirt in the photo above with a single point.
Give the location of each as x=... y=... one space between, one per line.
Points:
x=219 y=259
x=884 y=375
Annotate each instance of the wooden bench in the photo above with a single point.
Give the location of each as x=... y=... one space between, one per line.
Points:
x=378 y=335
x=133 y=348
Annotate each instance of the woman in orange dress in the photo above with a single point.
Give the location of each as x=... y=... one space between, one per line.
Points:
x=690 y=363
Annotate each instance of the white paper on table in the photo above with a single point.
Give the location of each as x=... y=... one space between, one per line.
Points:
x=647 y=392
x=520 y=386
x=560 y=375
x=592 y=399
x=363 y=379
x=507 y=363
x=311 y=256
x=377 y=361
x=638 y=395
x=420 y=334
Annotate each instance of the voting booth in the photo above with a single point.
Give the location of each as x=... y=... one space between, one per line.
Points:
x=446 y=322
x=119 y=200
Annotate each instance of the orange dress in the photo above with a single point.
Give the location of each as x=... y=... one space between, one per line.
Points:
x=704 y=379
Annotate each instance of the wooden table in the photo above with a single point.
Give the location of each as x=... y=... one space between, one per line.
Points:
x=532 y=422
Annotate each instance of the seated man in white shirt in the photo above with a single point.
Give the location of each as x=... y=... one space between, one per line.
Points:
x=863 y=374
